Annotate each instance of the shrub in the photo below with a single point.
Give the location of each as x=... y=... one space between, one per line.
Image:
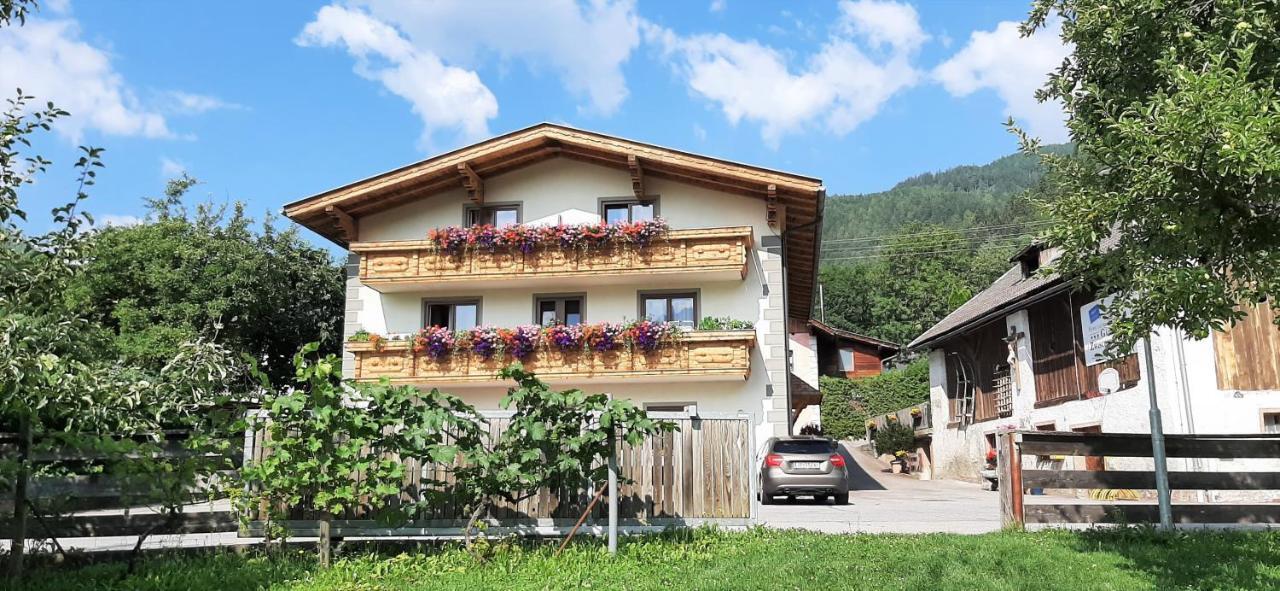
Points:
x=847 y=404
x=725 y=323
x=895 y=437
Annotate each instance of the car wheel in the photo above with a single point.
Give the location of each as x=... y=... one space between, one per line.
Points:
x=820 y=498
x=842 y=498
x=766 y=499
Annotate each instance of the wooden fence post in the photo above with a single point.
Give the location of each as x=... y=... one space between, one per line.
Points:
x=322 y=544
x=18 y=545
x=1009 y=464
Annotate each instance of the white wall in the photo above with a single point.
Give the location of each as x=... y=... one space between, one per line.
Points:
x=565 y=187
x=1199 y=408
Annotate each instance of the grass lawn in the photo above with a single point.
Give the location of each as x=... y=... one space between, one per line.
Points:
x=758 y=559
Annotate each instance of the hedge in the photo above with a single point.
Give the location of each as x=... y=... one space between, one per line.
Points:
x=847 y=404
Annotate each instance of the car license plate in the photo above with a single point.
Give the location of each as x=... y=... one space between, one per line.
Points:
x=806 y=465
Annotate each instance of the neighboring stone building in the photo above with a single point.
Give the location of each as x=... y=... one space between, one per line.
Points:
x=741 y=245
x=1027 y=353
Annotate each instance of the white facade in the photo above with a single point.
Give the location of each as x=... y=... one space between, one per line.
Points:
x=568 y=190
x=1186 y=388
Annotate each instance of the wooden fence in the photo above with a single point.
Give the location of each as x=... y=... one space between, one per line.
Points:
x=83 y=501
x=1014 y=479
x=699 y=473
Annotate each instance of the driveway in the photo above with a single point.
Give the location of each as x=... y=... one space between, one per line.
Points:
x=880 y=502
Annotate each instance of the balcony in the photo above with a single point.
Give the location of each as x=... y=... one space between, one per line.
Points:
x=722 y=355
x=415 y=265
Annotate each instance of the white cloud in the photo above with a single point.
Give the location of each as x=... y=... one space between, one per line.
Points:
x=170 y=168
x=718 y=5
x=835 y=89
x=429 y=52
x=188 y=103
x=1014 y=67
x=444 y=97
x=47 y=59
x=699 y=132
x=884 y=23
x=116 y=220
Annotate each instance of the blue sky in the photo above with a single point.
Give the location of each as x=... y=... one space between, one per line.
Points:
x=270 y=102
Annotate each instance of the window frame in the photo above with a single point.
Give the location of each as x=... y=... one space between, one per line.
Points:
x=538 y=298
x=688 y=409
x=453 y=311
x=1263 y=413
x=605 y=202
x=471 y=207
x=670 y=294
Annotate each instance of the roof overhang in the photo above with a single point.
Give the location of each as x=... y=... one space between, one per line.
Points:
x=855 y=337
x=334 y=214
x=1044 y=292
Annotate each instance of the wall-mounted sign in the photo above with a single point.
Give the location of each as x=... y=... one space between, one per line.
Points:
x=1096 y=330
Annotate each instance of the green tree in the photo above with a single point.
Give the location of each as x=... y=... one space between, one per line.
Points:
x=165 y=282
x=1173 y=201
x=320 y=431
x=59 y=389
x=923 y=273
x=555 y=439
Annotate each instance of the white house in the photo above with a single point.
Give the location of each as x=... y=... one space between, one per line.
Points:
x=740 y=245
x=1026 y=353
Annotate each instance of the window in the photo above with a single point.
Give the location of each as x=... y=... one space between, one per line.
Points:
x=803 y=446
x=960 y=388
x=846 y=359
x=493 y=215
x=681 y=307
x=1002 y=382
x=454 y=315
x=1271 y=422
x=615 y=212
x=549 y=310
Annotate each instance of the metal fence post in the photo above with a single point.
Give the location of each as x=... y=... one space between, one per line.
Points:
x=1157 y=442
x=613 y=495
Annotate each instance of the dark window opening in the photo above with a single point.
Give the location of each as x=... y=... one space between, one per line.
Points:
x=680 y=308
x=461 y=315
x=559 y=310
x=803 y=447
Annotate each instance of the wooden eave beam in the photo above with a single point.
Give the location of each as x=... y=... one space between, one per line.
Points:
x=637 y=176
x=472 y=183
x=346 y=224
x=775 y=213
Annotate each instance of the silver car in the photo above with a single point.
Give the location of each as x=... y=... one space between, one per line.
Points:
x=803 y=465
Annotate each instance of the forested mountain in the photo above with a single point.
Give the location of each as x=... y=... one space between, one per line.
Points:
x=960 y=197
x=896 y=262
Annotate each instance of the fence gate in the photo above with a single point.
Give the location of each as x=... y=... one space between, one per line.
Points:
x=700 y=473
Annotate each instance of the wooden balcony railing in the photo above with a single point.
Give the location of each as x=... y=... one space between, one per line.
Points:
x=409 y=264
x=698 y=355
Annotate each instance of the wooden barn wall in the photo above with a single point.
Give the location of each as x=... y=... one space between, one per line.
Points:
x=1057 y=350
x=866 y=359
x=986 y=349
x=1248 y=353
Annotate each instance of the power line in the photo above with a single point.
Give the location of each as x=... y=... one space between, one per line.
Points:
x=855 y=249
x=910 y=253
x=932 y=242
x=970 y=230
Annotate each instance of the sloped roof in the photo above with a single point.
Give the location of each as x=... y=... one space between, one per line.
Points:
x=801 y=196
x=853 y=336
x=1007 y=291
